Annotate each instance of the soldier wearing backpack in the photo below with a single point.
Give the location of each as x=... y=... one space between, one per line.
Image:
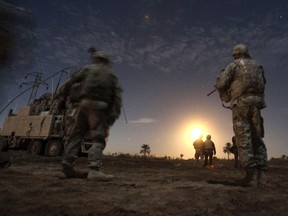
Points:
x=99 y=104
x=242 y=84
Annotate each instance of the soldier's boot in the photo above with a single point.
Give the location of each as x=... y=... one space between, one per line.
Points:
x=96 y=175
x=250 y=179
x=262 y=179
x=69 y=172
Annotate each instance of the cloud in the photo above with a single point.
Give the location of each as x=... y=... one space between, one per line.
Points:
x=164 y=44
x=143 y=121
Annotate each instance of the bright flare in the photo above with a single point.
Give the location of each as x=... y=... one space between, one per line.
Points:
x=195 y=133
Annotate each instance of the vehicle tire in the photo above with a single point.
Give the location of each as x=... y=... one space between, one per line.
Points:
x=53 y=148
x=3 y=144
x=35 y=147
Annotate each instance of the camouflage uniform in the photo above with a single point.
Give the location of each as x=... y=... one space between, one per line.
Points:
x=99 y=106
x=242 y=84
x=69 y=98
x=71 y=102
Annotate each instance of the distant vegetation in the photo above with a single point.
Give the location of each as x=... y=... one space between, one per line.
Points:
x=145 y=150
x=137 y=156
x=227 y=149
x=281 y=161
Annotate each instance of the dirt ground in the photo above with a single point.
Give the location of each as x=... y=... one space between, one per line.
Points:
x=31 y=186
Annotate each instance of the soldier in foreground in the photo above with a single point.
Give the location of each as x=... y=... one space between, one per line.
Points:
x=242 y=84
x=99 y=107
x=72 y=101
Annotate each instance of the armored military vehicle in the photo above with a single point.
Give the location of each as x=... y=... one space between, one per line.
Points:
x=37 y=128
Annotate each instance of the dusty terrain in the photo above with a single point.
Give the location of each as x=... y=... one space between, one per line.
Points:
x=31 y=186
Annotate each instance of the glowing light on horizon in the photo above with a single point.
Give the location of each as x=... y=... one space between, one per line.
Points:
x=195 y=133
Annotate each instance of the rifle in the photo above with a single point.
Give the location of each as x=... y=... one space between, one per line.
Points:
x=215 y=88
x=211 y=92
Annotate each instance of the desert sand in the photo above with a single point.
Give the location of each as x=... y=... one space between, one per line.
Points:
x=142 y=186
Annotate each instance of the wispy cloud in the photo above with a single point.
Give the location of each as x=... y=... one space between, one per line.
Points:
x=168 y=44
x=200 y=47
x=143 y=121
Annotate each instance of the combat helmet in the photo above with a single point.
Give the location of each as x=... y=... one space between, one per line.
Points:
x=101 y=55
x=240 y=50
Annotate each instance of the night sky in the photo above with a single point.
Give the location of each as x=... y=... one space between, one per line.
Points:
x=167 y=55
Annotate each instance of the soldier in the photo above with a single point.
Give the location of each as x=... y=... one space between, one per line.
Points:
x=99 y=106
x=208 y=150
x=198 y=146
x=242 y=84
x=72 y=101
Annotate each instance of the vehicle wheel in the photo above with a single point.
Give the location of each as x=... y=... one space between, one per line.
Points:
x=35 y=147
x=3 y=144
x=53 y=148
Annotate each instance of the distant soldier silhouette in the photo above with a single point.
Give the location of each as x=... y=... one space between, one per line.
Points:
x=198 y=146
x=242 y=84
x=209 y=150
x=234 y=150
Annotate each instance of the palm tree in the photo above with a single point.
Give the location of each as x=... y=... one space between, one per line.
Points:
x=145 y=149
x=181 y=155
x=226 y=149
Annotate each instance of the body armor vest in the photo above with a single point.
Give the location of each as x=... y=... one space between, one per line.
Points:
x=248 y=79
x=99 y=84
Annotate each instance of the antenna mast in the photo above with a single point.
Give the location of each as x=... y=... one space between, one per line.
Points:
x=34 y=85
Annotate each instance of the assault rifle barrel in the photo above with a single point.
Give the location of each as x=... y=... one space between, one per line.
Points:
x=211 y=92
